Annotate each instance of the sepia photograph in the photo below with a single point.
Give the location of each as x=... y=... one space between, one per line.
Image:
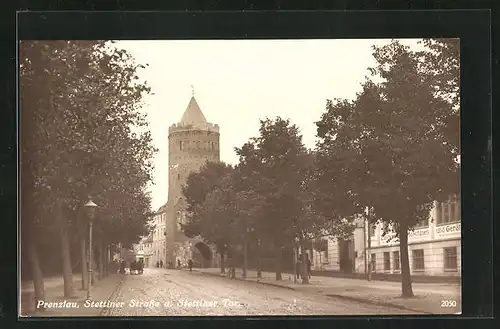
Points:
x=239 y=177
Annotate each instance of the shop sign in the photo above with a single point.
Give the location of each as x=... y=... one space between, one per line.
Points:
x=450 y=229
x=418 y=234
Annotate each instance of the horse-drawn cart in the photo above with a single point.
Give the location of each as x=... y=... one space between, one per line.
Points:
x=136 y=267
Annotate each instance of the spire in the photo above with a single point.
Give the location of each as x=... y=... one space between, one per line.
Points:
x=193 y=114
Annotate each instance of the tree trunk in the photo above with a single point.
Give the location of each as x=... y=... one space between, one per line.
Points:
x=83 y=260
x=36 y=273
x=94 y=266
x=65 y=251
x=106 y=260
x=101 y=260
x=279 y=256
x=370 y=269
x=259 y=270
x=305 y=270
x=406 y=289
x=222 y=268
x=83 y=254
x=245 y=260
x=110 y=259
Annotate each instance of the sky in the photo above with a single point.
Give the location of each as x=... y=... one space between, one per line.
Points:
x=238 y=82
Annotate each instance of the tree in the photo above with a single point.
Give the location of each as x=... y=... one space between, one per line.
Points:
x=250 y=203
x=389 y=150
x=314 y=221
x=248 y=208
x=199 y=185
x=80 y=105
x=277 y=161
x=217 y=218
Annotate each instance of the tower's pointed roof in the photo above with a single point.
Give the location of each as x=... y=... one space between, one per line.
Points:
x=193 y=114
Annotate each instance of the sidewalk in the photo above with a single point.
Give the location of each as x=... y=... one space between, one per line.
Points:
x=50 y=282
x=428 y=296
x=54 y=293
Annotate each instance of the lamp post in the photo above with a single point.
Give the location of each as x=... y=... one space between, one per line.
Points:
x=245 y=252
x=90 y=207
x=295 y=255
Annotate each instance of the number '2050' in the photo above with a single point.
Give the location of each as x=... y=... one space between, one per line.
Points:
x=448 y=303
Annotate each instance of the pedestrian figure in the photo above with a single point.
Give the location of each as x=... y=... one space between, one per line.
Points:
x=122 y=267
x=231 y=264
x=190 y=264
x=161 y=263
x=158 y=264
x=309 y=265
x=141 y=266
x=179 y=263
x=298 y=268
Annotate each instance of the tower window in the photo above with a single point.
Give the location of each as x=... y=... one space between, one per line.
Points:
x=180 y=145
x=178 y=176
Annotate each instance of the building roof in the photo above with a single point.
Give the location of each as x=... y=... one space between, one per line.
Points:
x=193 y=114
x=162 y=209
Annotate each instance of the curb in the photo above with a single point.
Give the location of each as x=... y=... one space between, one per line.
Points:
x=368 y=301
x=355 y=299
x=105 y=310
x=242 y=279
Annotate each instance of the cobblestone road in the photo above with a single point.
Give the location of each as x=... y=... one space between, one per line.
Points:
x=181 y=293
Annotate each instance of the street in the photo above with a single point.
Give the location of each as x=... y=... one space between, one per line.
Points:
x=160 y=292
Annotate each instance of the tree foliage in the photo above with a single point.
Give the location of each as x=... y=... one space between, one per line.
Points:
x=387 y=155
x=210 y=210
x=200 y=183
x=391 y=149
x=276 y=160
x=82 y=134
x=388 y=147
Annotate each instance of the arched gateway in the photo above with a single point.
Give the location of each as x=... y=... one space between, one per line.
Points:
x=198 y=251
x=192 y=142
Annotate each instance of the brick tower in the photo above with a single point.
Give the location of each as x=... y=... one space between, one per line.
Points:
x=191 y=143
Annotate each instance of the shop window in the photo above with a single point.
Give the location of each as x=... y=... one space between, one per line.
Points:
x=450 y=258
x=396 y=260
x=418 y=260
x=387 y=261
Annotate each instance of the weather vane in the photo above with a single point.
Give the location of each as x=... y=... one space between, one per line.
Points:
x=192 y=90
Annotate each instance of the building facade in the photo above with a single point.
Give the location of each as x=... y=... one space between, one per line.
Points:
x=144 y=250
x=151 y=248
x=158 y=242
x=191 y=143
x=434 y=247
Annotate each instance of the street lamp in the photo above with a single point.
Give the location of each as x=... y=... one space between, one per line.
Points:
x=90 y=208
